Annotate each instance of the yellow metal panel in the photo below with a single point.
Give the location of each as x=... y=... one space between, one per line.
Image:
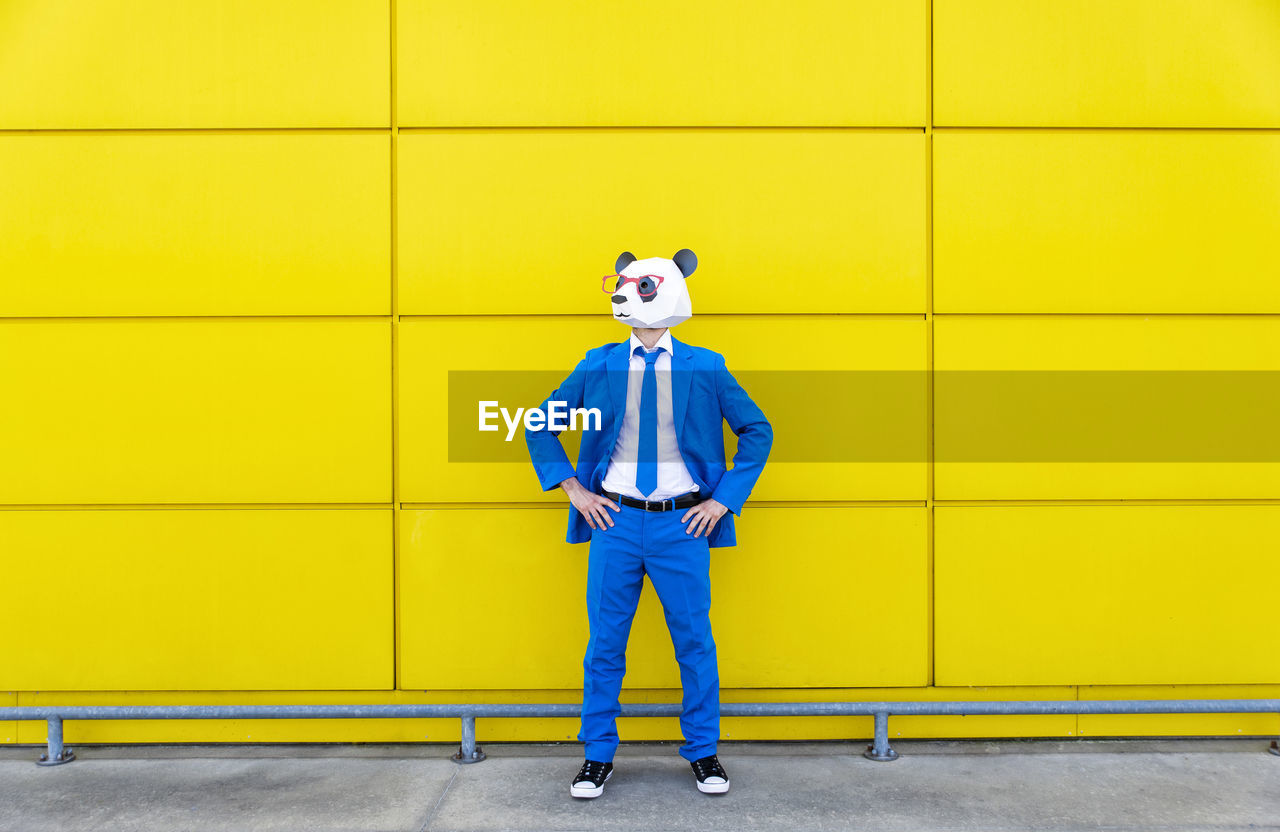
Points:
x=1104 y=595
x=1026 y=725
x=1105 y=342
x=1108 y=221
x=769 y=355
x=8 y=727
x=666 y=62
x=234 y=63
x=526 y=222
x=1174 y=725
x=778 y=621
x=124 y=411
x=1096 y=343
x=195 y=224
x=197 y=599
x=774 y=356
x=1150 y=63
x=429 y=350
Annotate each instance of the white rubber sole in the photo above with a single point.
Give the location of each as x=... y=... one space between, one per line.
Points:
x=589 y=791
x=712 y=788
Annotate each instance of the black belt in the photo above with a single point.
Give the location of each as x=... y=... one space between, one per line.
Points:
x=683 y=501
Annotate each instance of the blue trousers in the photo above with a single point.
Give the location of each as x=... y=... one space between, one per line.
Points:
x=678 y=564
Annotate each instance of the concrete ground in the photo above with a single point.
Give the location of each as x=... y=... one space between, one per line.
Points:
x=1229 y=784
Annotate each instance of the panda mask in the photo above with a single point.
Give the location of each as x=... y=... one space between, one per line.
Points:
x=651 y=293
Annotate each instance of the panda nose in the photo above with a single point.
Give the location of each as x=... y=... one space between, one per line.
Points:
x=619 y=299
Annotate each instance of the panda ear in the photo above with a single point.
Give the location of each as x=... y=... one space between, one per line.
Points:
x=625 y=259
x=686 y=261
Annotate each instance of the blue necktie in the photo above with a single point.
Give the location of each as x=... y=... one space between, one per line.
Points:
x=647 y=457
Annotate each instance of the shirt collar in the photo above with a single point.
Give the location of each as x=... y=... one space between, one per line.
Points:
x=664 y=342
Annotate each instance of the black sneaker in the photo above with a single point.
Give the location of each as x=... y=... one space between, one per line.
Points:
x=710 y=774
x=590 y=779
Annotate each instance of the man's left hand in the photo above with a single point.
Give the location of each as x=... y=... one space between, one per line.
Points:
x=705 y=516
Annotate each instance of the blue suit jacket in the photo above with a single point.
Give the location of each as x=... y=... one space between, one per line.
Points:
x=703 y=396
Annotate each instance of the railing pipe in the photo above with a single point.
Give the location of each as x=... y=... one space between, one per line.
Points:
x=468 y=752
x=56 y=754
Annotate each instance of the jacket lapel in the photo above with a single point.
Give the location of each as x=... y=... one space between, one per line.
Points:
x=681 y=378
x=616 y=366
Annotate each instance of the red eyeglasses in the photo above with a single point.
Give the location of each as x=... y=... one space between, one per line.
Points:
x=646 y=284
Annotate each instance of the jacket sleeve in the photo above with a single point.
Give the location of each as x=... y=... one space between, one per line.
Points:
x=550 y=462
x=755 y=438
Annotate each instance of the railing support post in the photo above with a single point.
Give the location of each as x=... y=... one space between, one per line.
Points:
x=880 y=750
x=57 y=754
x=467 y=751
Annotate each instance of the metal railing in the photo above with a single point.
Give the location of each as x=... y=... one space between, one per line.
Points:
x=468 y=752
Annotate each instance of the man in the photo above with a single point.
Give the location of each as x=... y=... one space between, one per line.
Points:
x=652 y=495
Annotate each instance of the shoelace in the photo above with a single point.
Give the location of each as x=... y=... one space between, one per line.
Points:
x=591 y=770
x=709 y=767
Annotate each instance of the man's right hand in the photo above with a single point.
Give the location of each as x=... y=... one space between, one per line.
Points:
x=591 y=506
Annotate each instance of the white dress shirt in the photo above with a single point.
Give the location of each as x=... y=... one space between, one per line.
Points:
x=673 y=476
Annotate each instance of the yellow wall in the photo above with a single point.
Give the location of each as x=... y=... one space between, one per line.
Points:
x=243 y=243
